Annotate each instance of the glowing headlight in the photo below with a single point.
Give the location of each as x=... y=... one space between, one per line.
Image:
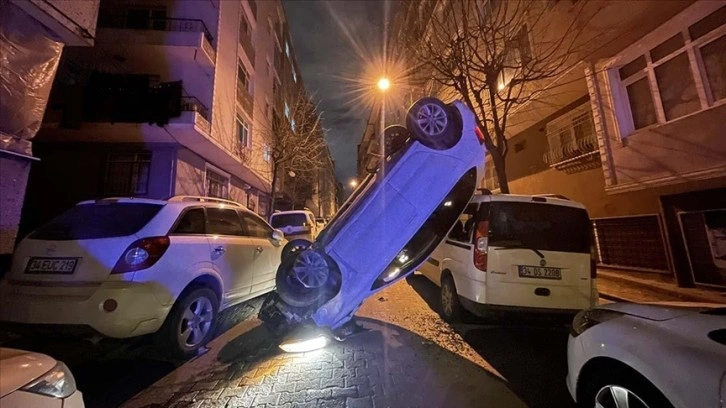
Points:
x=58 y=382
x=303 y=345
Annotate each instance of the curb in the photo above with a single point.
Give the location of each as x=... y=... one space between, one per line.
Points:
x=660 y=289
x=615 y=298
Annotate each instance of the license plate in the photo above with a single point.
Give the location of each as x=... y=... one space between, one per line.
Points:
x=539 y=272
x=63 y=266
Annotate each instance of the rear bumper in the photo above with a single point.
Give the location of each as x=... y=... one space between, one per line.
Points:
x=484 y=310
x=139 y=311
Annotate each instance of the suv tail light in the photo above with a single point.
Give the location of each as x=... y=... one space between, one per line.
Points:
x=141 y=254
x=481 y=245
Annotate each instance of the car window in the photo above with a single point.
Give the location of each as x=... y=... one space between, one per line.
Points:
x=461 y=231
x=224 y=222
x=255 y=226
x=545 y=227
x=292 y=219
x=191 y=222
x=98 y=220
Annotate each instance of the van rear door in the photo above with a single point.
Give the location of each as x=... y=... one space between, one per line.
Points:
x=538 y=255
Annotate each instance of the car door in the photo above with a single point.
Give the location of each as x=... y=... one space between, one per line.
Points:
x=188 y=251
x=267 y=254
x=233 y=253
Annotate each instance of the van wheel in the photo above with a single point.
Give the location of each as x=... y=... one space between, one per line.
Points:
x=190 y=324
x=451 y=309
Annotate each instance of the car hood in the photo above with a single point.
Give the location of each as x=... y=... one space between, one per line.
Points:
x=20 y=367
x=657 y=311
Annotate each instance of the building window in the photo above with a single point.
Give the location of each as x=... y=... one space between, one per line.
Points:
x=243 y=78
x=663 y=83
x=146 y=18
x=243 y=133
x=217 y=184
x=127 y=174
x=266 y=153
x=244 y=29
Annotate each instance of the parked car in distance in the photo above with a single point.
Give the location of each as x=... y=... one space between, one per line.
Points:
x=389 y=225
x=648 y=355
x=515 y=253
x=124 y=267
x=296 y=224
x=36 y=380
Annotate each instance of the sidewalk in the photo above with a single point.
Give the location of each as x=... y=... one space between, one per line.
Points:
x=408 y=358
x=618 y=285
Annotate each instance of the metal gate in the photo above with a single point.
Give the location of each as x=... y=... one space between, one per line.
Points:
x=634 y=242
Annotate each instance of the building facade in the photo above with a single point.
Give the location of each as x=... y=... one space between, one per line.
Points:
x=176 y=97
x=634 y=130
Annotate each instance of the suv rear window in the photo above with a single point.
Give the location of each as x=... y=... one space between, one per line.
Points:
x=91 y=221
x=283 y=220
x=545 y=227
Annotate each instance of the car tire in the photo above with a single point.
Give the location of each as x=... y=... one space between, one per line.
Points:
x=296 y=245
x=602 y=386
x=434 y=124
x=307 y=278
x=451 y=309
x=190 y=324
x=394 y=138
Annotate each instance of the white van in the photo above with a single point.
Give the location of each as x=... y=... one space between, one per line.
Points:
x=296 y=224
x=514 y=252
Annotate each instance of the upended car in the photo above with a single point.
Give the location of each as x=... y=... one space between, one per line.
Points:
x=400 y=212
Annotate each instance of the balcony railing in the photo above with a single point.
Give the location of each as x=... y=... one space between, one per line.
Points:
x=157 y=24
x=244 y=98
x=192 y=104
x=571 y=138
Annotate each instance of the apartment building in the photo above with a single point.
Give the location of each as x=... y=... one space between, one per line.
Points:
x=32 y=37
x=176 y=97
x=634 y=130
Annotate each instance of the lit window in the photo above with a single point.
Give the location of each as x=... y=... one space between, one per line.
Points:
x=266 y=154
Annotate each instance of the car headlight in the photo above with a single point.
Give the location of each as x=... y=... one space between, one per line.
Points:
x=58 y=382
x=589 y=318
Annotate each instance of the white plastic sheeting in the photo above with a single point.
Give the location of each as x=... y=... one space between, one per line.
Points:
x=28 y=63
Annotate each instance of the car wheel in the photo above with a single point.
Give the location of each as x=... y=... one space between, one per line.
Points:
x=394 y=138
x=621 y=388
x=191 y=323
x=294 y=246
x=434 y=124
x=451 y=309
x=306 y=278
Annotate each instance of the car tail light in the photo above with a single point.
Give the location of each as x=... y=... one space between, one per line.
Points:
x=141 y=254
x=481 y=245
x=479 y=135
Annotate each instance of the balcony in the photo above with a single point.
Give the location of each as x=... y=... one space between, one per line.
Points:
x=572 y=141
x=245 y=42
x=244 y=99
x=175 y=32
x=193 y=111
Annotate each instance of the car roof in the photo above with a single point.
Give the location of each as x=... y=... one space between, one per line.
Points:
x=542 y=198
x=292 y=212
x=179 y=201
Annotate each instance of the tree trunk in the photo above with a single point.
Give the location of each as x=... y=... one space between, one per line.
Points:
x=272 y=188
x=500 y=169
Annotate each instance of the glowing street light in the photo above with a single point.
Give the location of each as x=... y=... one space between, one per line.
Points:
x=353 y=183
x=384 y=84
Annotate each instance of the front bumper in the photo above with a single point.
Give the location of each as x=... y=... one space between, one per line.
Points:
x=23 y=399
x=138 y=312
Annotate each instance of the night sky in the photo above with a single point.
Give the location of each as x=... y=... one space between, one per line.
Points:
x=331 y=62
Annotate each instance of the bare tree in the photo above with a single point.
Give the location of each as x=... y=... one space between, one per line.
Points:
x=295 y=142
x=496 y=56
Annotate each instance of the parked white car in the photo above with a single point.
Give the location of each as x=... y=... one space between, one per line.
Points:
x=125 y=267
x=296 y=224
x=515 y=253
x=36 y=380
x=643 y=355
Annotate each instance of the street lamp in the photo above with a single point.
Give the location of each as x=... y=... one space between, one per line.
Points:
x=353 y=183
x=384 y=84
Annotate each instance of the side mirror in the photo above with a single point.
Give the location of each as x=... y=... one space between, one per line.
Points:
x=277 y=236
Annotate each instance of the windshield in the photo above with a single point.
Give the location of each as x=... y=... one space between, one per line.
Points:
x=285 y=220
x=545 y=227
x=98 y=220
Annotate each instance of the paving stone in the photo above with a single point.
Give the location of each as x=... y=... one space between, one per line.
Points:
x=211 y=394
x=260 y=389
x=338 y=382
x=270 y=398
x=292 y=397
x=355 y=380
x=331 y=403
x=363 y=402
x=308 y=404
x=308 y=384
x=344 y=392
x=283 y=387
x=205 y=386
x=233 y=391
x=184 y=396
x=318 y=394
x=244 y=401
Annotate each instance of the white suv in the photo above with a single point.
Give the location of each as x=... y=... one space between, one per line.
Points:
x=125 y=267
x=515 y=253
